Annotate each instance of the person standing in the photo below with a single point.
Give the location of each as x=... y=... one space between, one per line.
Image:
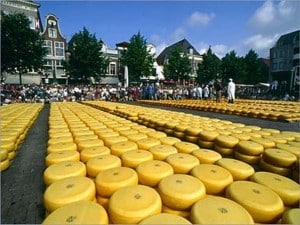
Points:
x=205 y=92
x=231 y=91
x=219 y=88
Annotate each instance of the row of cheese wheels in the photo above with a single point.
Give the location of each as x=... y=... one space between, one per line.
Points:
x=244 y=142
x=143 y=180
x=270 y=110
x=16 y=120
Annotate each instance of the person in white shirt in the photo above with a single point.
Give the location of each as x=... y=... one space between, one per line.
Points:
x=231 y=91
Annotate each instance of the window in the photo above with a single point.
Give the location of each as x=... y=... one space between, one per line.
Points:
x=274 y=66
x=112 y=68
x=58 y=63
x=52 y=33
x=59 y=49
x=275 y=54
x=48 y=45
x=280 y=65
x=47 y=62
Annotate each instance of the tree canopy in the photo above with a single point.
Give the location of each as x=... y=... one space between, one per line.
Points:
x=21 y=47
x=233 y=67
x=85 y=57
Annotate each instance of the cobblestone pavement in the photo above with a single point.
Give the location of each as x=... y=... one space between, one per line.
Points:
x=22 y=184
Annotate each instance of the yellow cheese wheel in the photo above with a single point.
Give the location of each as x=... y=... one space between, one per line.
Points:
x=62 y=170
x=207 y=135
x=182 y=162
x=206 y=156
x=121 y=128
x=266 y=143
x=278 y=157
x=185 y=147
x=4 y=164
x=265 y=166
x=68 y=190
x=181 y=127
x=81 y=138
x=104 y=201
x=223 y=151
x=238 y=169
x=109 y=181
x=127 y=132
x=7 y=138
x=90 y=152
x=215 y=178
x=107 y=134
x=291 y=216
x=156 y=134
x=206 y=144
x=146 y=130
x=147 y=143
x=290 y=148
x=133 y=204
x=70 y=146
x=56 y=140
x=182 y=213
x=161 y=152
x=271 y=130
x=250 y=148
x=181 y=191
x=3 y=154
x=133 y=158
x=11 y=155
x=294 y=143
x=291 y=133
x=277 y=139
x=89 y=143
x=165 y=218
x=250 y=159
x=263 y=204
x=151 y=172
x=100 y=163
x=136 y=137
x=7 y=145
x=109 y=141
x=287 y=189
x=219 y=210
x=76 y=133
x=241 y=136
x=169 y=140
x=58 y=134
x=81 y=212
x=192 y=139
x=176 y=134
x=119 y=148
x=226 y=141
x=62 y=156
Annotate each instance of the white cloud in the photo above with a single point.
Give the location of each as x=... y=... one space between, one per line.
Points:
x=219 y=49
x=178 y=34
x=198 y=18
x=260 y=42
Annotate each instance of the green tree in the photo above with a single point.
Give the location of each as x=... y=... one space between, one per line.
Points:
x=233 y=67
x=252 y=68
x=138 y=58
x=178 y=66
x=85 y=57
x=21 y=47
x=210 y=67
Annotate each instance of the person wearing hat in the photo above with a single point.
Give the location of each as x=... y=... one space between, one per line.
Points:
x=231 y=91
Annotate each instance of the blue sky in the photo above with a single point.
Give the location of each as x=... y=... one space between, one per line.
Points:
x=225 y=25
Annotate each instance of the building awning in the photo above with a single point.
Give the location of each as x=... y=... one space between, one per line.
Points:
x=26 y=79
x=109 y=80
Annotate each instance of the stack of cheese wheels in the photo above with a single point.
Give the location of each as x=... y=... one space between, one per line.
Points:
x=5 y=162
x=225 y=144
x=125 y=133
x=60 y=139
x=100 y=163
x=70 y=146
x=133 y=158
x=156 y=134
x=169 y=128
x=185 y=147
x=62 y=170
x=91 y=152
x=68 y=190
x=206 y=156
x=292 y=147
x=132 y=204
x=277 y=161
x=214 y=177
x=291 y=216
x=169 y=140
x=287 y=189
x=81 y=212
x=119 y=148
x=219 y=210
x=161 y=152
x=266 y=143
x=181 y=191
x=238 y=169
x=179 y=131
x=183 y=213
x=192 y=134
x=207 y=138
x=109 y=141
x=136 y=137
x=165 y=218
x=151 y=172
x=147 y=143
x=182 y=163
x=248 y=151
x=62 y=156
x=263 y=204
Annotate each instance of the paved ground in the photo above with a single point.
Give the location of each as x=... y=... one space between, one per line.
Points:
x=22 y=185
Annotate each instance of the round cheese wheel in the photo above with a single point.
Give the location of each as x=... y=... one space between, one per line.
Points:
x=223 y=151
x=287 y=189
x=219 y=210
x=7 y=145
x=133 y=158
x=76 y=133
x=107 y=134
x=266 y=143
x=182 y=162
x=186 y=147
x=90 y=152
x=109 y=141
x=147 y=143
x=169 y=140
x=4 y=164
x=136 y=137
x=56 y=140
x=206 y=156
x=11 y=155
x=156 y=134
x=290 y=148
x=294 y=143
x=226 y=141
x=263 y=204
x=68 y=190
x=241 y=136
x=265 y=166
x=70 y=146
x=146 y=130
x=277 y=139
x=182 y=213
x=81 y=138
x=62 y=156
x=291 y=216
x=133 y=204
x=6 y=138
x=278 y=157
x=119 y=148
x=127 y=132
x=165 y=218
x=89 y=143
x=3 y=154
x=151 y=172
x=215 y=178
x=250 y=148
x=238 y=169
x=192 y=139
x=271 y=130
x=250 y=159
x=109 y=181
x=161 y=152
x=100 y=163
x=207 y=135
x=176 y=134
x=206 y=144
x=104 y=201
x=81 y=212
x=62 y=170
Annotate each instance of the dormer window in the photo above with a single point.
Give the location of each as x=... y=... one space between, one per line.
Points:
x=52 y=33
